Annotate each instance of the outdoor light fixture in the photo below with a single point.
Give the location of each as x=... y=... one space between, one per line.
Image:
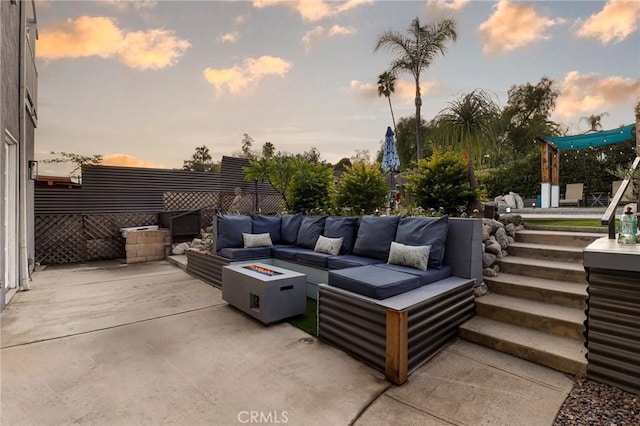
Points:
x=33 y=169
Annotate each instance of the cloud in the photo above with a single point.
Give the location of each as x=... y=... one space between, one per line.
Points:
x=126 y=5
x=405 y=91
x=590 y=93
x=230 y=37
x=615 y=22
x=126 y=160
x=99 y=36
x=320 y=33
x=314 y=10
x=512 y=26
x=439 y=9
x=239 y=78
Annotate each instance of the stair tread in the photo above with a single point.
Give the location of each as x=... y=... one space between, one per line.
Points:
x=533 y=307
x=547 y=247
x=595 y=235
x=526 y=337
x=544 y=263
x=579 y=289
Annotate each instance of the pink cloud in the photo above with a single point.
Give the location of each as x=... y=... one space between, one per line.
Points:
x=616 y=21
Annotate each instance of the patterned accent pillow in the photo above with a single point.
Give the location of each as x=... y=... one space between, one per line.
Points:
x=412 y=256
x=257 y=240
x=328 y=245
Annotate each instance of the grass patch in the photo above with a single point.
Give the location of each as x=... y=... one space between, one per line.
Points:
x=307 y=322
x=592 y=223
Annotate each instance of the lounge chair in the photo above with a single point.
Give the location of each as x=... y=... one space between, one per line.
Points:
x=627 y=197
x=573 y=195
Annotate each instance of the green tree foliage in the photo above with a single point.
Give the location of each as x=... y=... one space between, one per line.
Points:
x=406 y=142
x=278 y=171
x=594 y=121
x=311 y=187
x=362 y=188
x=441 y=182
x=386 y=86
x=415 y=52
x=342 y=164
x=247 y=147
x=268 y=150
x=75 y=159
x=521 y=176
x=201 y=161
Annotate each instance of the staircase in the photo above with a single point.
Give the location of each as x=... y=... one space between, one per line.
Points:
x=535 y=306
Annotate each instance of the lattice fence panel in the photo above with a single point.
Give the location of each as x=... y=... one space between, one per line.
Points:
x=102 y=233
x=189 y=200
x=270 y=204
x=59 y=239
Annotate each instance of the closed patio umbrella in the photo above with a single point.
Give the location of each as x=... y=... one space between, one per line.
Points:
x=390 y=160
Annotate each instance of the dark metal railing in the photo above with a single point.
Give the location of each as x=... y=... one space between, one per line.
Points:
x=609 y=217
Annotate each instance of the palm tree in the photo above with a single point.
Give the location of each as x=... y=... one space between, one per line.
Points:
x=594 y=121
x=468 y=123
x=386 y=86
x=415 y=52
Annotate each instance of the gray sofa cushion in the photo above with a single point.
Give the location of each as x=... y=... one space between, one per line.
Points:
x=426 y=277
x=246 y=253
x=423 y=231
x=375 y=235
x=289 y=253
x=289 y=226
x=263 y=224
x=371 y=281
x=318 y=260
x=311 y=228
x=230 y=229
x=345 y=227
x=350 y=261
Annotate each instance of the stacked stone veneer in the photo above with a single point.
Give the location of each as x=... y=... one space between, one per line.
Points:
x=145 y=246
x=497 y=236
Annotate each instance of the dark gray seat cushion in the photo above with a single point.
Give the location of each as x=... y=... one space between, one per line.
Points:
x=426 y=277
x=350 y=261
x=374 y=282
x=263 y=224
x=318 y=260
x=375 y=235
x=345 y=227
x=289 y=227
x=311 y=228
x=289 y=253
x=425 y=231
x=245 y=253
x=230 y=229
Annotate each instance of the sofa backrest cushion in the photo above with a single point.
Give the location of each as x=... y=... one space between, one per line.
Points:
x=425 y=231
x=289 y=227
x=230 y=229
x=311 y=228
x=345 y=227
x=263 y=224
x=375 y=235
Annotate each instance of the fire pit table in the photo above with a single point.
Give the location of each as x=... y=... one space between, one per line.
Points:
x=265 y=292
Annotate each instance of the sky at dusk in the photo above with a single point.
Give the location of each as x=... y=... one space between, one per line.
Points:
x=144 y=83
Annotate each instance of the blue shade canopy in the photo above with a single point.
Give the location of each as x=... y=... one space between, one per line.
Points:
x=390 y=160
x=593 y=140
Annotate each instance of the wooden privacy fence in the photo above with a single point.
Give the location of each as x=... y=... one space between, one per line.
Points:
x=79 y=225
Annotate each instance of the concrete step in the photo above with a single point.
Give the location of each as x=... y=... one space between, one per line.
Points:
x=547 y=251
x=541 y=268
x=563 y=293
x=560 y=238
x=559 y=353
x=553 y=319
x=179 y=260
x=583 y=229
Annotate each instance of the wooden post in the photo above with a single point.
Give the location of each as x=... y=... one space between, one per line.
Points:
x=544 y=165
x=555 y=166
x=397 y=347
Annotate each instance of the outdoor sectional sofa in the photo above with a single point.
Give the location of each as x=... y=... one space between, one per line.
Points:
x=390 y=315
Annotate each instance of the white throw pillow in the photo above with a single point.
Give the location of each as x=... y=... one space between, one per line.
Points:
x=412 y=256
x=257 y=240
x=328 y=245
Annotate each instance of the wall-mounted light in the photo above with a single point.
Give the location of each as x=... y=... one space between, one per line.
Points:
x=33 y=169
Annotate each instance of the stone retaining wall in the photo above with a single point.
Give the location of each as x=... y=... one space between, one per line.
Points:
x=145 y=246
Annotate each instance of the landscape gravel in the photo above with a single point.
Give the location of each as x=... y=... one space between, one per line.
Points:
x=592 y=403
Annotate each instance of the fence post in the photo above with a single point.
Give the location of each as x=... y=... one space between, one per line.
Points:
x=256 y=201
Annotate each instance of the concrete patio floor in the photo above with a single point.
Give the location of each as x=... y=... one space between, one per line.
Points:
x=115 y=344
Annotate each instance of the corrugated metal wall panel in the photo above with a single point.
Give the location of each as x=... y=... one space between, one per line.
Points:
x=613 y=328
x=57 y=201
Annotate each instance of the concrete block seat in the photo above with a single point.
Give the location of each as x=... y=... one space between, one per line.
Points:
x=391 y=290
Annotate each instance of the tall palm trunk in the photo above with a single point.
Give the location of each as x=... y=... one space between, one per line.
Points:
x=393 y=118
x=418 y=127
